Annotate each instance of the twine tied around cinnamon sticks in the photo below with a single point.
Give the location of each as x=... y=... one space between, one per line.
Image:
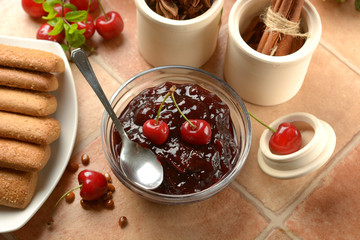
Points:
x=275 y=22
x=282 y=21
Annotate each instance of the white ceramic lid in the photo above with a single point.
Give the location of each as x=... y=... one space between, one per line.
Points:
x=309 y=158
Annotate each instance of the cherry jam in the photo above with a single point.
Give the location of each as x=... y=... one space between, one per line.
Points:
x=187 y=168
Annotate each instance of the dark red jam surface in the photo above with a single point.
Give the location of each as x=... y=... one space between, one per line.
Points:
x=187 y=168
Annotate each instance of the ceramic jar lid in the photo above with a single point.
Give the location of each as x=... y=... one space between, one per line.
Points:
x=318 y=144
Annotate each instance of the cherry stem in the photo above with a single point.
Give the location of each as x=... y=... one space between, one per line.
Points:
x=182 y=114
x=63 y=15
x=162 y=103
x=57 y=203
x=103 y=11
x=271 y=129
x=87 y=15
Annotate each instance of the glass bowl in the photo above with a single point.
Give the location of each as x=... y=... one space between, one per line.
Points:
x=179 y=74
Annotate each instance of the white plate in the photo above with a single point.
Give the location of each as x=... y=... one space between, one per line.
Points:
x=67 y=113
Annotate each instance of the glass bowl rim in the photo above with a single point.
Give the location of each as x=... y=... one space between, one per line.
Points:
x=182 y=198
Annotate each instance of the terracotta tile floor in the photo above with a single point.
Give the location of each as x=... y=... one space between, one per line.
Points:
x=322 y=205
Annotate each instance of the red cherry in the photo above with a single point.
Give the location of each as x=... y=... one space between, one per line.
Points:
x=110 y=26
x=43 y=33
x=156 y=132
x=60 y=10
x=199 y=135
x=94 y=184
x=32 y=8
x=83 y=4
x=88 y=26
x=286 y=140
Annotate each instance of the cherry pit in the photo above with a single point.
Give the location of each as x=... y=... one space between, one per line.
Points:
x=193 y=131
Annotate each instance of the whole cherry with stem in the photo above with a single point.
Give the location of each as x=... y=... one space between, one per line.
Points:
x=157 y=131
x=93 y=186
x=193 y=131
x=285 y=140
x=110 y=24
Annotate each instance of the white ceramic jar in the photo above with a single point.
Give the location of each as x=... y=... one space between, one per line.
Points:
x=318 y=144
x=262 y=79
x=191 y=42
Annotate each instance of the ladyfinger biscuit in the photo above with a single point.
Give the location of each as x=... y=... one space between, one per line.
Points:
x=38 y=130
x=30 y=59
x=27 y=102
x=17 y=188
x=32 y=80
x=22 y=156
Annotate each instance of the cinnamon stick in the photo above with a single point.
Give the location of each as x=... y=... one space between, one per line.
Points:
x=274 y=36
x=285 y=43
x=289 y=9
x=250 y=30
x=275 y=5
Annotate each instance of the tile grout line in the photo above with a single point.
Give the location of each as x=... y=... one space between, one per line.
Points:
x=253 y=200
x=346 y=150
x=96 y=133
x=278 y=220
x=79 y=146
x=318 y=180
x=275 y=220
x=269 y=215
x=108 y=69
x=339 y=56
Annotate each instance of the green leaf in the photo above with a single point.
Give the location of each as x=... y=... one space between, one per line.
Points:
x=76 y=16
x=74 y=36
x=58 y=28
x=39 y=1
x=357 y=5
x=65 y=47
x=73 y=27
x=54 y=21
x=51 y=15
x=71 y=6
x=48 y=6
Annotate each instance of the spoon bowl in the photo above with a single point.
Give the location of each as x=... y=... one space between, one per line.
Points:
x=139 y=164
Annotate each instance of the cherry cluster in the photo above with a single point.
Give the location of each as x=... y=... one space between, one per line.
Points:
x=193 y=131
x=71 y=23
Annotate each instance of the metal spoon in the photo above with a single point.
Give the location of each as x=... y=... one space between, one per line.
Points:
x=139 y=164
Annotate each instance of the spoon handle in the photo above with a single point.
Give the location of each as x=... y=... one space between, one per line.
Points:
x=81 y=60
